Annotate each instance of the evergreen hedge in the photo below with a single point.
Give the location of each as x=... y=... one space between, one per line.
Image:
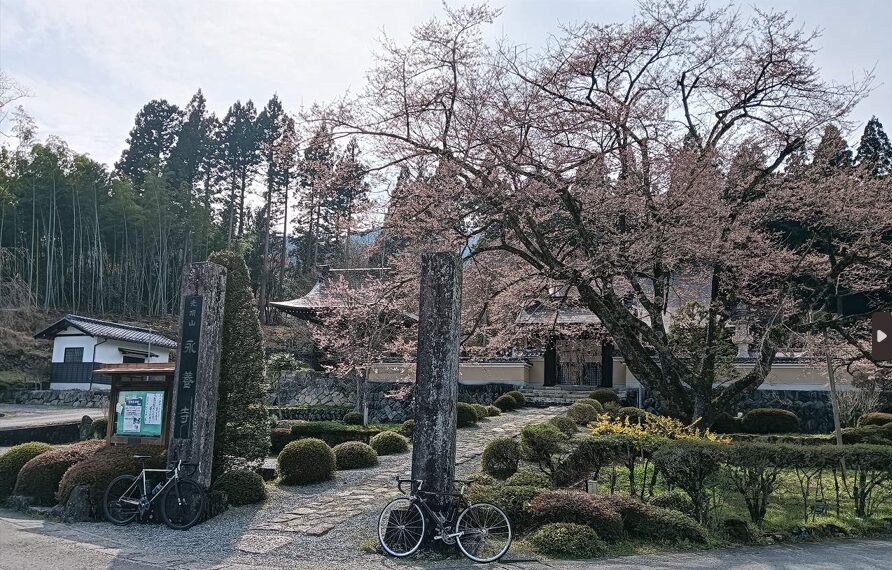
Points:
x=500 y=457
x=467 y=417
x=354 y=455
x=242 y=487
x=389 y=443
x=242 y=432
x=770 y=420
x=604 y=395
x=567 y=540
x=39 y=478
x=109 y=461
x=12 y=462
x=518 y=397
x=306 y=461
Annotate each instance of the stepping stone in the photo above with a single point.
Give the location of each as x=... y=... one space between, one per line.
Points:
x=319 y=530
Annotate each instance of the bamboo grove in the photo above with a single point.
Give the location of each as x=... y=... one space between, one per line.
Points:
x=77 y=235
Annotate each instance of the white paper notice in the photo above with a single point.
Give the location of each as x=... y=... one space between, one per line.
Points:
x=153 y=408
x=132 y=415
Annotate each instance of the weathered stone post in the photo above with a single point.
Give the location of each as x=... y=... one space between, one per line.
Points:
x=193 y=413
x=436 y=375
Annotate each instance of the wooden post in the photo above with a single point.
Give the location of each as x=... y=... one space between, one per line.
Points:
x=194 y=406
x=436 y=375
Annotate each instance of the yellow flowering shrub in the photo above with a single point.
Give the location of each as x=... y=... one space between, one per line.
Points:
x=653 y=425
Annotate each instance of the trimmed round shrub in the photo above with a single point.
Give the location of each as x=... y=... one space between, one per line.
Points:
x=635 y=415
x=353 y=419
x=564 y=424
x=612 y=408
x=518 y=397
x=500 y=457
x=513 y=499
x=530 y=478
x=12 y=462
x=649 y=522
x=604 y=395
x=567 y=540
x=770 y=420
x=593 y=403
x=40 y=477
x=100 y=427
x=577 y=507
x=389 y=443
x=354 y=455
x=407 y=428
x=109 y=462
x=724 y=422
x=242 y=487
x=539 y=442
x=674 y=500
x=505 y=403
x=492 y=411
x=875 y=419
x=480 y=410
x=279 y=438
x=306 y=461
x=467 y=417
x=582 y=414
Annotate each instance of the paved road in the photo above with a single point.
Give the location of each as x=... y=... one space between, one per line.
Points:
x=27 y=544
x=22 y=415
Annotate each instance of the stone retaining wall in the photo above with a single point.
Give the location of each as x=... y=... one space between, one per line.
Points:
x=65 y=398
x=392 y=410
x=311 y=388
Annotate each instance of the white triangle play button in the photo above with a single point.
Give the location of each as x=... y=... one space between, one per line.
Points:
x=881 y=336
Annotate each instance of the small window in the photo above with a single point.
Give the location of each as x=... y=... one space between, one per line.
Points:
x=133 y=359
x=74 y=354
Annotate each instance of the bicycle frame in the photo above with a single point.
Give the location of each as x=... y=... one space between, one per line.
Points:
x=145 y=490
x=441 y=519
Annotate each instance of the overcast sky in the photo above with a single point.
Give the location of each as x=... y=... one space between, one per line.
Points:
x=91 y=65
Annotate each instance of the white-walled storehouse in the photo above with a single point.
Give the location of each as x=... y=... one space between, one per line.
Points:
x=82 y=344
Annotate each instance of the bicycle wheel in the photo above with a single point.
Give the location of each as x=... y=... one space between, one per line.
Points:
x=120 y=504
x=484 y=532
x=182 y=505
x=401 y=527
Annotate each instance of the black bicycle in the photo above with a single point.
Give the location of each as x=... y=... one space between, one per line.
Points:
x=481 y=530
x=180 y=504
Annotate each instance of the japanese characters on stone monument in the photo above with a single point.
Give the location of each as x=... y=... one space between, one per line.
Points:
x=436 y=376
x=196 y=383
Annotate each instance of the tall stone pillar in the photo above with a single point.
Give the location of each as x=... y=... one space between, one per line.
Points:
x=436 y=375
x=193 y=414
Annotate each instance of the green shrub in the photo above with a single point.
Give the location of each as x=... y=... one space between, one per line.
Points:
x=500 y=457
x=539 y=443
x=12 y=462
x=527 y=477
x=691 y=466
x=564 y=424
x=353 y=419
x=389 y=443
x=567 y=540
x=518 y=396
x=40 y=477
x=674 y=500
x=480 y=411
x=354 y=455
x=577 y=507
x=100 y=426
x=604 y=395
x=492 y=411
x=242 y=487
x=101 y=468
x=724 y=422
x=875 y=419
x=653 y=523
x=593 y=403
x=582 y=414
x=242 y=427
x=770 y=420
x=505 y=403
x=407 y=428
x=279 y=438
x=514 y=500
x=332 y=433
x=871 y=434
x=612 y=408
x=467 y=417
x=586 y=458
x=306 y=461
x=635 y=415
x=753 y=469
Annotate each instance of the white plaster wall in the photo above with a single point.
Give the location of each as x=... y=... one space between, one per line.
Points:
x=60 y=343
x=108 y=352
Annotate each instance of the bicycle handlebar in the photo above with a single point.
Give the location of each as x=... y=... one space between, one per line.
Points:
x=400 y=481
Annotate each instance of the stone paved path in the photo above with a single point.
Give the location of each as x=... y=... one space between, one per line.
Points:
x=318 y=514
